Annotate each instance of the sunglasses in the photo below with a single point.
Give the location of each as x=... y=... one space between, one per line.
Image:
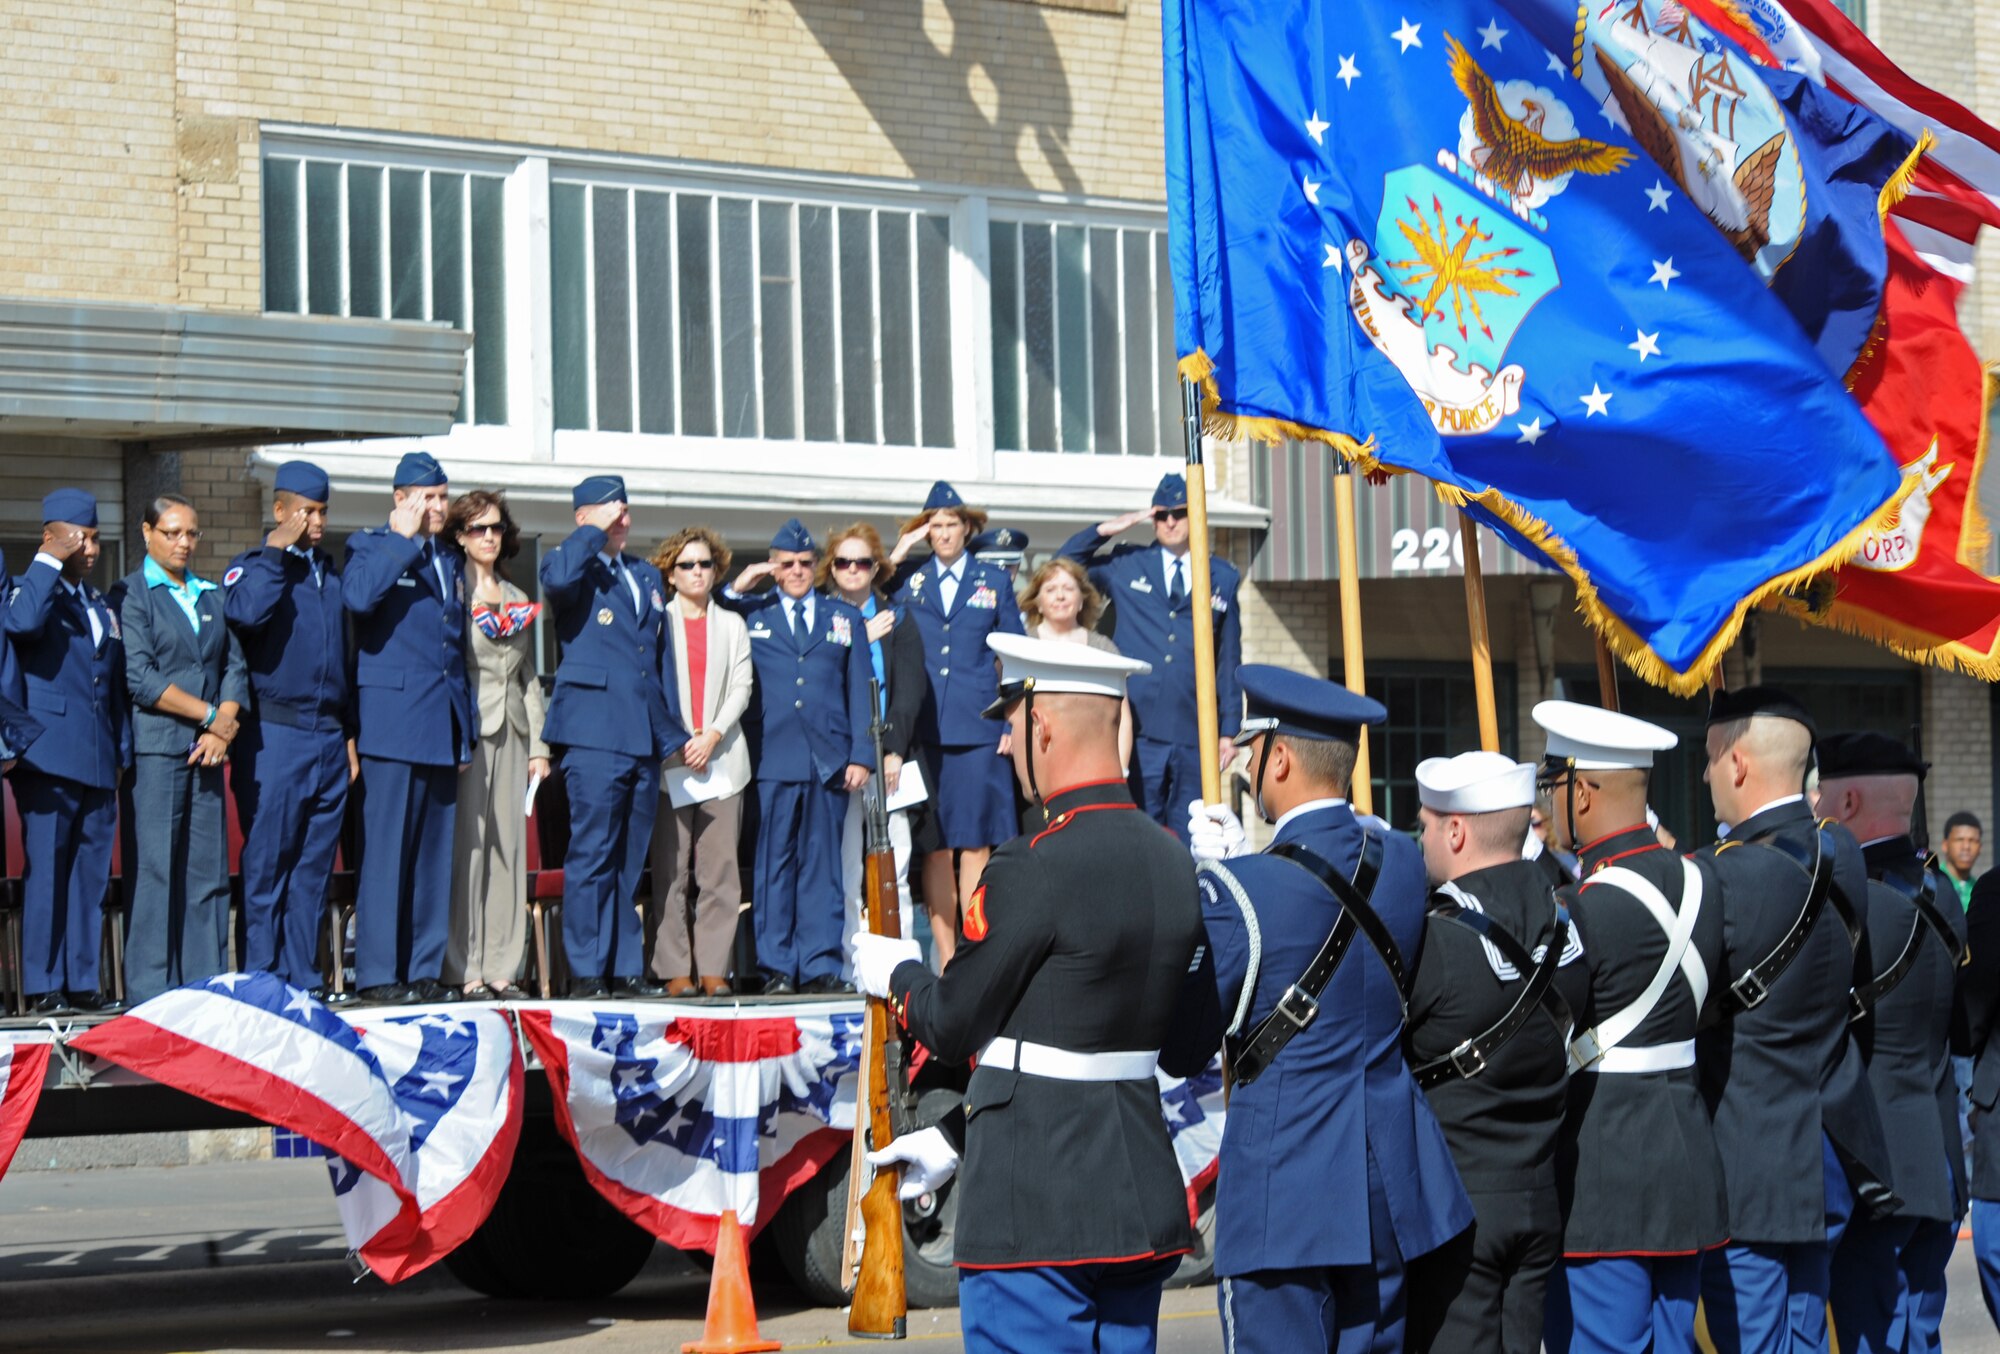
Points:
x=1170 y=515
x=783 y=565
x=842 y=562
x=688 y=566
x=484 y=529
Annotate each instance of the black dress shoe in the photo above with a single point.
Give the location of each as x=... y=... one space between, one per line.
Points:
x=49 y=1004
x=96 y=1003
x=432 y=992
x=638 y=987
x=778 y=985
x=326 y=996
x=588 y=989
x=386 y=994
x=826 y=985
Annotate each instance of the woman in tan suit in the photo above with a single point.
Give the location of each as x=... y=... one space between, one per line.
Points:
x=695 y=843
x=489 y=878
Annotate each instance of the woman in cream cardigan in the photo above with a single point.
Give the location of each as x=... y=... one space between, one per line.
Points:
x=689 y=944
x=489 y=880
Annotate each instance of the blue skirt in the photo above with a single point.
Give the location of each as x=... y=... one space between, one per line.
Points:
x=972 y=795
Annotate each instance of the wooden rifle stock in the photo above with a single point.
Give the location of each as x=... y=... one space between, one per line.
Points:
x=881 y=1302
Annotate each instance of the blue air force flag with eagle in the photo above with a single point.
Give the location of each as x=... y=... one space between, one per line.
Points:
x=1408 y=229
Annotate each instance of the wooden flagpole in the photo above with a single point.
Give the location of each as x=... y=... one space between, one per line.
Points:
x=1482 y=639
x=1607 y=676
x=1207 y=720
x=1362 y=795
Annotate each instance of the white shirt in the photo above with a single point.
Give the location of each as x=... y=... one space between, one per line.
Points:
x=948 y=577
x=1176 y=566
x=798 y=612
x=312 y=563
x=616 y=565
x=1775 y=804
x=76 y=590
x=1299 y=810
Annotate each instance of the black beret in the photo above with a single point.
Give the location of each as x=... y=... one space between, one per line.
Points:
x=1867 y=754
x=1746 y=701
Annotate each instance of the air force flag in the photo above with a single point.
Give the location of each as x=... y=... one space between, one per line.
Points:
x=1414 y=232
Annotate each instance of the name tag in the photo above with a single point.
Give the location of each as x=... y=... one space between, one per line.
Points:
x=760 y=632
x=406 y=582
x=1141 y=585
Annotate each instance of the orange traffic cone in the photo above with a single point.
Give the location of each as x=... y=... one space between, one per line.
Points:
x=731 y=1327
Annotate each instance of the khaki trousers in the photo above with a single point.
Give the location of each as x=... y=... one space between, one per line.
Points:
x=695 y=843
x=489 y=883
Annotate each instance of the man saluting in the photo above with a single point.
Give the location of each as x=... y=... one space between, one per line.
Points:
x=1073 y=960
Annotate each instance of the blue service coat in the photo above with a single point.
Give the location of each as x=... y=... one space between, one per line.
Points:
x=808 y=716
x=74 y=687
x=413 y=702
x=608 y=692
x=162 y=649
x=1292 y=1187
x=294 y=637
x=1133 y=579
x=17 y=728
x=964 y=678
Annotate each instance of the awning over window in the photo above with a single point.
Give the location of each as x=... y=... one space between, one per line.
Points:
x=150 y=373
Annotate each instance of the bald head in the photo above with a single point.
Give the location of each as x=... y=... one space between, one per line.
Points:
x=1071 y=736
x=1871 y=807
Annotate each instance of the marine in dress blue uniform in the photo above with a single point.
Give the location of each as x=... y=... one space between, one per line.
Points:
x=1070 y=985
x=1888 y=1285
x=611 y=720
x=415 y=730
x=1147 y=586
x=291 y=771
x=1637 y=1172
x=1795 y=1118
x=72 y=667
x=808 y=729
x=1335 y=1119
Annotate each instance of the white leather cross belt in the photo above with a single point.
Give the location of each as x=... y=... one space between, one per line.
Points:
x=1060 y=1064
x=1658 y=1058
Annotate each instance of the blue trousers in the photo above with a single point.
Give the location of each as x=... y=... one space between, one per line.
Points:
x=1165 y=778
x=613 y=802
x=1624 y=1305
x=798 y=908
x=1771 y=1299
x=1986 y=1253
x=1063 y=1309
x=1888 y=1285
x=177 y=928
x=1342 y=1309
x=291 y=797
x=66 y=834
x=402 y=906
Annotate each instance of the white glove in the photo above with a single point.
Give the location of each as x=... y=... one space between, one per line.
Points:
x=926 y=1157
x=876 y=957
x=1214 y=833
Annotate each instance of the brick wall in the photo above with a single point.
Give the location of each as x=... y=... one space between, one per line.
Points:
x=1958 y=741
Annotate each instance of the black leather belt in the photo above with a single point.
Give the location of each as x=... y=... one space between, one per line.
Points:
x=1299 y=1006
x=1923 y=897
x=1749 y=991
x=1471 y=1056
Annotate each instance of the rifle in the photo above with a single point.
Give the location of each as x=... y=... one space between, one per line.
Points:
x=881 y=1302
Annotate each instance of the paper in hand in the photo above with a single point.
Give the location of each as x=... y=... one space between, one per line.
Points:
x=534 y=784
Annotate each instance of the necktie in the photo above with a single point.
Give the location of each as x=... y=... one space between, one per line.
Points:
x=792 y=618
x=1177 y=588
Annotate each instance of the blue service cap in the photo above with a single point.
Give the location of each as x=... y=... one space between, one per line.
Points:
x=598 y=489
x=793 y=536
x=942 y=495
x=418 y=470
x=304 y=479
x=1172 y=491
x=78 y=507
x=1001 y=541
x=1282 y=701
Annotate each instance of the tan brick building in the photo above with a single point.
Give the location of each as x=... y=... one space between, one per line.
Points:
x=760 y=256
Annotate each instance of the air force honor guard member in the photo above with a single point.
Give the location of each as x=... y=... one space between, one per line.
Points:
x=415 y=734
x=612 y=723
x=1068 y=984
x=66 y=783
x=1496 y=983
x=294 y=758
x=808 y=726
x=1636 y=1166
x=1888 y=1284
x=1148 y=586
x=1795 y=1120
x=1324 y=1107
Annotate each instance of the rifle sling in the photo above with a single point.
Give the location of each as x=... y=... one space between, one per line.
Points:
x=1471 y=1056
x=1750 y=990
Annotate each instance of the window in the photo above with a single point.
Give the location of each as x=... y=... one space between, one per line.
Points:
x=712 y=315
x=1083 y=339
x=391 y=241
x=1432 y=713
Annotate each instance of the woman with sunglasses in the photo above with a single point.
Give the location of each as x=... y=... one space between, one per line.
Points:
x=489 y=878
x=697 y=889
x=856 y=570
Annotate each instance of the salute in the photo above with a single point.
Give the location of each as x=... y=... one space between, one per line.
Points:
x=416 y=730
x=1888 y=1273
x=1795 y=1121
x=1148 y=585
x=72 y=663
x=611 y=723
x=1636 y=1166
x=1491 y=1005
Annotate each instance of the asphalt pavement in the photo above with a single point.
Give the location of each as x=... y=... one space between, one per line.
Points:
x=248 y=1256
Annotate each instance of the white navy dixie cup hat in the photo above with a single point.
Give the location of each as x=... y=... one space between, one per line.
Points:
x=1475 y=782
x=1047 y=666
x=1590 y=739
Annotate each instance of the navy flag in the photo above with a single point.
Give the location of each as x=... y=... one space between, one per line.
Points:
x=1409 y=231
